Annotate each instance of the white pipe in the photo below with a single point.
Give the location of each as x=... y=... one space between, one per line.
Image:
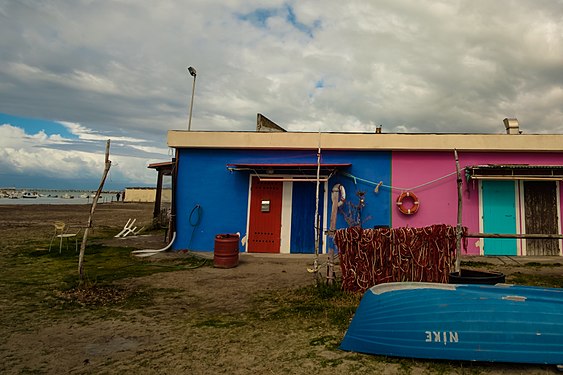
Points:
x=151 y=252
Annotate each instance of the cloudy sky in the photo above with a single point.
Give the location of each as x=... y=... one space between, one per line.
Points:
x=76 y=73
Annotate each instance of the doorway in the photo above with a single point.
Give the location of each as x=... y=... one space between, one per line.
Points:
x=264 y=234
x=540 y=214
x=498 y=201
x=303 y=216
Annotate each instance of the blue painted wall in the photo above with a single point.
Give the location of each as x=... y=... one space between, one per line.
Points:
x=203 y=179
x=371 y=166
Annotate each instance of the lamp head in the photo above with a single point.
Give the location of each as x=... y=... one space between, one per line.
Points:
x=192 y=71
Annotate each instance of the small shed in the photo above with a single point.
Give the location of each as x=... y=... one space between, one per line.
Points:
x=147 y=195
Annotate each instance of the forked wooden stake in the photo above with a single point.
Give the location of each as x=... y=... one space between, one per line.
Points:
x=92 y=209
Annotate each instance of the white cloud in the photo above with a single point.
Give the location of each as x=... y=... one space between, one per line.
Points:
x=43 y=156
x=15 y=137
x=31 y=154
x=449 y=66
x=87 y=134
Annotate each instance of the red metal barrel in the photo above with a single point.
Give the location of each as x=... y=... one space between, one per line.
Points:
x=225 y=254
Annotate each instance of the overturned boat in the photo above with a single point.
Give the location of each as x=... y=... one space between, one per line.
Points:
x=497 y=323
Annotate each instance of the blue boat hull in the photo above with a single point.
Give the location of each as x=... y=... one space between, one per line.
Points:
x=499 y=323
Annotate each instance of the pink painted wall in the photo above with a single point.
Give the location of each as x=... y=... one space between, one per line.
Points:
x=438 y=200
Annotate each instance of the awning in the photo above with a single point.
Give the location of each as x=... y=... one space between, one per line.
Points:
x=164 y=167
x=291 y=166
x=289 y=171
x=515 y=172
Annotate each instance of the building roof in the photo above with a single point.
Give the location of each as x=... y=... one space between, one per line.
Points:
x=367 y=141
x=514 y=172
x=164 y=164
x=164 y=167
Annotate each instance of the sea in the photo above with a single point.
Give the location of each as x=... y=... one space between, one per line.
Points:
x=16 y=196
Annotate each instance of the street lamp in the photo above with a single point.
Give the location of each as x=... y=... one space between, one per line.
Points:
x=193 y=74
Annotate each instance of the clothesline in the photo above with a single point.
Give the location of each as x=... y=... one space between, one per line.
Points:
x=381 y=184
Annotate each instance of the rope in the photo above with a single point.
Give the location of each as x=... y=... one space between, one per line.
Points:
x=380 y=183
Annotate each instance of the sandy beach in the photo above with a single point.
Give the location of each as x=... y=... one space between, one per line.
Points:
x=36 y=221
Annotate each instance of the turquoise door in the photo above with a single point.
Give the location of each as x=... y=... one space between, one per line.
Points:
x=499 y=216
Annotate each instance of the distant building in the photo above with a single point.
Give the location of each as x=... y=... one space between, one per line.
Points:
x=146 y=194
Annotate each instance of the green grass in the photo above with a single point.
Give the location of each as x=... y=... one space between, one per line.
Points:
x=552 y=281
x=327 y=305
x=474 y=264
x=220 y=323
x=39 y=285
x=103 y=265
x=537 y=264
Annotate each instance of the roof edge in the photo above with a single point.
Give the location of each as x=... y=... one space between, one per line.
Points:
x=367 y=141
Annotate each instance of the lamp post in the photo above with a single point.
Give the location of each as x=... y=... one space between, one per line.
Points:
x=193 y=74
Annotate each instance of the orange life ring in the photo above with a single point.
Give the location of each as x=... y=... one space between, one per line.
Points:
x=415 y=206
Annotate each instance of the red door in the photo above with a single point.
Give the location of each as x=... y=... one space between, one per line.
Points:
x=265 y=216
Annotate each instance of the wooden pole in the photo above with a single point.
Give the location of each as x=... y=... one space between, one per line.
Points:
x=158 y=198
x=317 y=218
x=92 y=209
x=330 y=263
x=459 y=231
x=506 y=235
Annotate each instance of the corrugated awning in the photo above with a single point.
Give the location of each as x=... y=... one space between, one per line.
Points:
x=514 y=172
x=288 y=165
x=297 y=171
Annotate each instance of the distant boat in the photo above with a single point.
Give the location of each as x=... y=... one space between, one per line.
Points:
x=27 y=194
x=67 y=196
x=496 y=323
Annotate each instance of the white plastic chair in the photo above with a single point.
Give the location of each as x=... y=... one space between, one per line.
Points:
x=128 y=229
x=61 y=231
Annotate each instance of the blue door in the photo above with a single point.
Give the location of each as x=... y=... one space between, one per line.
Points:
x=499 y=216
x=303 y=217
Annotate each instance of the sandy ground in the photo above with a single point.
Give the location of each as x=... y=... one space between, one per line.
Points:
x=200 y=321
x=156 y=339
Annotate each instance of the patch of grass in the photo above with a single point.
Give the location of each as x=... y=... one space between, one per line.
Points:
x=438 y=368
x=538 y=264
x=552 y=281
x=405 y=367
x=331 y=362
x=105 y=265
x=219 y=323
x=38 y=284
x=330 y=342
x=323 y=304
x=95 y=296
x=475 y=264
